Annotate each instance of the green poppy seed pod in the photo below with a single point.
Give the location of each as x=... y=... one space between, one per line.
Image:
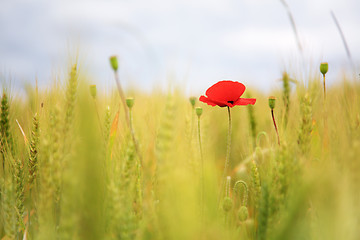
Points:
x=272 y=102
x=199 y=111
x=130 y=102
x=243 y=213
x=114 y=63
x=324 y=68
x=93 y=91
x=192 y=101
x=227 y=204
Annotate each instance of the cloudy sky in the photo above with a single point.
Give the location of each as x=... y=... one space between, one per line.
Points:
x=193 y=42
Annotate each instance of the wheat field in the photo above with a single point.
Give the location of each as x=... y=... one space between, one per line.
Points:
x=80 y=164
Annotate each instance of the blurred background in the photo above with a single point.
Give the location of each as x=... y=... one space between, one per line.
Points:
x=193 y=43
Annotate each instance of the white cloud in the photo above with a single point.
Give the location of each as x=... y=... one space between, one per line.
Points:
x=259 y=40
x=216 y=38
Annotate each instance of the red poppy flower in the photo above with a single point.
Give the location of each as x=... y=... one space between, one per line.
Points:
x=226 y=93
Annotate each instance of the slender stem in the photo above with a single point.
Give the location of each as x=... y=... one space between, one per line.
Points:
x=29 y=209
x=122 y=96
x=227 y=159
x=227 y=194
x=192 y=122
x=293 y=25
x=134 y=138
x=244 y=201
x=3 y=158
x=202 y=172
x=139 y=165
x=324 y=87
x=277 y=133
x=98 y=117
x=343 y=39
x=228 y=184
x=325 y=136
x=130 y=120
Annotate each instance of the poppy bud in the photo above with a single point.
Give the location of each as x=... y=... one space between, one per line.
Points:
x=272 y=100
x=243 y=213
x=114 y=63
x=324 y=68
x=130 y=102
x=227 y=204
x=93 y=91
x=192 y=101
x=199 y=111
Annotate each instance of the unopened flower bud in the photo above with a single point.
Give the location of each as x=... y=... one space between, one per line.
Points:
x=243 y=213
x=324 y=68
x=272 y=100
x=199 y=111
x=227 y=204
x=130 y=102
x=114 y=63
x=93 y=91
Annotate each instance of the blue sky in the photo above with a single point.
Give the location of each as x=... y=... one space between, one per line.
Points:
x=194 y=43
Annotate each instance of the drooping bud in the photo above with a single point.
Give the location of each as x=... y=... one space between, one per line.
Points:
x=272 y=100
x=114 y=63
x=324 y=68
x=227 y=204
x=243 y=213
x=93 y=91
x=130 y=102
x=192 y=101
x=198 y=111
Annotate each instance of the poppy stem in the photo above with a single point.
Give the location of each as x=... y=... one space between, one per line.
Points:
x=122 y=96
x=227 y=159
x=202 y=173
x=324 y=87
x=277 y=133
x=127 y=116
x=98 y=117
x=325 y=136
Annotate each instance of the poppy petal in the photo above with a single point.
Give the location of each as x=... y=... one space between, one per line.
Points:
x=225 y=91
x=212 y=102
x=245 y=101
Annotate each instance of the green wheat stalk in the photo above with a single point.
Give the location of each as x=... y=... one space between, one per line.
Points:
x=34 y=146
x=305 y=130
x=5 y=129
x=70 y=98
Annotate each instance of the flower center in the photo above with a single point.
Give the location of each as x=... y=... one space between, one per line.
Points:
x=232 y=102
